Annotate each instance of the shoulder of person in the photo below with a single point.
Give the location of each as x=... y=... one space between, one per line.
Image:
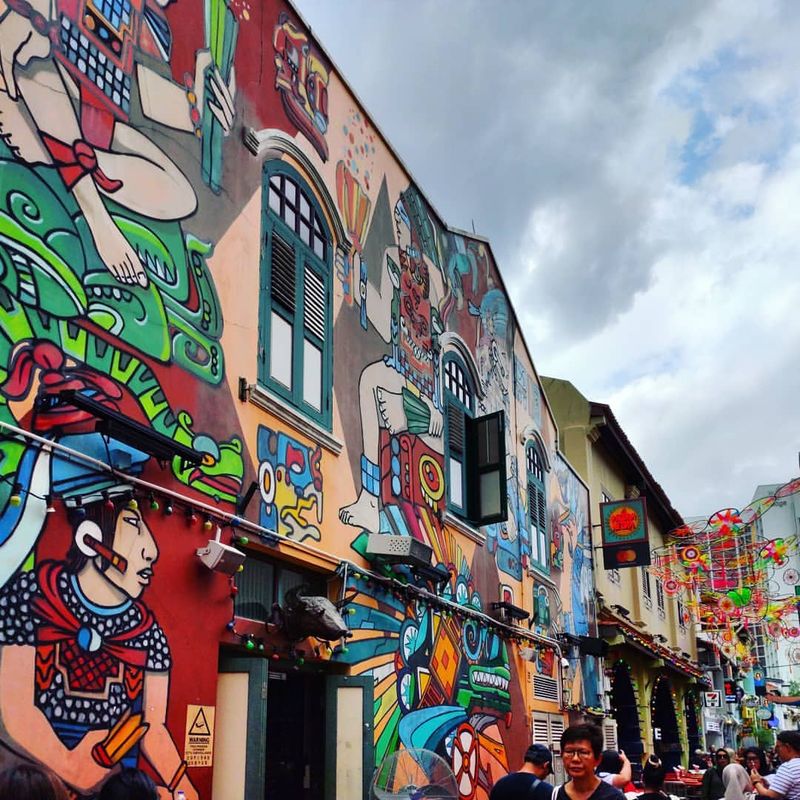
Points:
x=605 y=791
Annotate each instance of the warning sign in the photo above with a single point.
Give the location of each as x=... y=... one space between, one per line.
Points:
x=199 y=748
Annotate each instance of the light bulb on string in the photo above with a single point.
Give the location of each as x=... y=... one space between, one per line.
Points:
x=16 y=495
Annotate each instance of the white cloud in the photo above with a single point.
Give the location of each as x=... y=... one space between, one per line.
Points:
x=637 y=171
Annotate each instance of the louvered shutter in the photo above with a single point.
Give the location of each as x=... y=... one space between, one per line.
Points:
x=610 y=734
x=314 y=304
x=556 y=729
x=283 y=276
x=486 y=465
x=455 y=428
x=541 y=729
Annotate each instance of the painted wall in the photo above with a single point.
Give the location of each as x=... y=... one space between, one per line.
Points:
x=137 y=250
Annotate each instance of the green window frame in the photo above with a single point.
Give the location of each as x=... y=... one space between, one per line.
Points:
x=475 y=452
x=295 y=358
x=537 y=506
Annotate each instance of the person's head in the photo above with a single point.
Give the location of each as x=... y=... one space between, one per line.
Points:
x=129 y=784
x=31 y=782
x=541 y=759
x=610 y=762
x=121 y=530
x=581 y=746
x=653 y=774
x=736 y=774
x=787 y=745
x=722 y=757
x=754 y=759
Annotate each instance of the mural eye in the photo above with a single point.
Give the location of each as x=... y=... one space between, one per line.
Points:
x=472 y=637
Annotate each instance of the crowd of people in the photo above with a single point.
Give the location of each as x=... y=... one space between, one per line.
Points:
x=34 y=782
x=595 y=774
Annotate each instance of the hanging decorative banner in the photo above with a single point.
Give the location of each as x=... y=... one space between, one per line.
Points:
x=624 y=533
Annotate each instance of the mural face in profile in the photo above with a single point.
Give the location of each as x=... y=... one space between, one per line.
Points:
x=105 y=293
x=97 y=662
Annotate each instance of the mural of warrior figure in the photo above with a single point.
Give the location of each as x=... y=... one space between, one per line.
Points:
x=70 y=69
x=84 y=665
x=401 y=392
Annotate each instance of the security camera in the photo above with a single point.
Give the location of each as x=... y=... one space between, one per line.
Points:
x=564 y=662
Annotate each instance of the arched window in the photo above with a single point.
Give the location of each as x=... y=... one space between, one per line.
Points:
x=475 y=452
x=537 y=505
x=296 y=353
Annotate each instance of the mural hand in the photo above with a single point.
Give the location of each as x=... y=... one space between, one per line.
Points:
x=436 y=424
x=83 y=772
x=221 y=99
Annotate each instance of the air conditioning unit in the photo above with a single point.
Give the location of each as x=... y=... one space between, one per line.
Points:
x=399 y=549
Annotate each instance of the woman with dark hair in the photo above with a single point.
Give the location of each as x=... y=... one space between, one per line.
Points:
x=614 y=768
x=756 y=759
x=712 y=787
x=653 y=776
x=31 y=782
x=129 y=784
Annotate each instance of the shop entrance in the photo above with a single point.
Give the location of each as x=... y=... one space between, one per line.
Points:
x=626 y=713
x=667 y=743
x=295 y=753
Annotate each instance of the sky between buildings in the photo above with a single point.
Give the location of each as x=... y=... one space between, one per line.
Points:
x=636 y=167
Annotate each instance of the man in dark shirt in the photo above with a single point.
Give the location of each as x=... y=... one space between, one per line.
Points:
x=529 y=783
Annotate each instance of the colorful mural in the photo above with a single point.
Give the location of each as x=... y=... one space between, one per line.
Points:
x=442 y=680
x=571 y=548
x=129 y=273
x=290 y=482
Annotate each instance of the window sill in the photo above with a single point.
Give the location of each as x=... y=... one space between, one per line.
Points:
x=259 y=396
x=464 y=527
x=537 y=570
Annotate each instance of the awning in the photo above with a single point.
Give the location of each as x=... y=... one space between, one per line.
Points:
x=646 y=644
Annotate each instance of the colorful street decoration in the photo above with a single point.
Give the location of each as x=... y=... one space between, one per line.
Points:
x=728 y=577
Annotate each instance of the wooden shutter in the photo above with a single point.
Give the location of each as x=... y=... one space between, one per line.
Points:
x=610 y=734
x=455 y=429
x=283 y=276
x=315 y=304
x=487 y=469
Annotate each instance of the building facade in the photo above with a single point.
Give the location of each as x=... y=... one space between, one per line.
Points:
x=653 y=682
x=234 y=328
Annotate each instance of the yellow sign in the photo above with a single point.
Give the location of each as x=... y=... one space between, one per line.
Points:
x=198 y=750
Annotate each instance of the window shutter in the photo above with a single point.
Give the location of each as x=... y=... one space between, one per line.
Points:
x=487 y=469
x=542 y=513
x=314 y=303
x=282 y=268
x=610 y=734
x=455 y=428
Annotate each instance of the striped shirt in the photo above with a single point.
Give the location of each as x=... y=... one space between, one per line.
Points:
x=786 y=779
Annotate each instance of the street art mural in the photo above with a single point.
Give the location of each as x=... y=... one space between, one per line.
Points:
x=128 y=257
x=572 y=549
x=96 y=661
x=442 y=681
x=301 y=77
x=106 y=291
x=401 y=393
x=290 y=484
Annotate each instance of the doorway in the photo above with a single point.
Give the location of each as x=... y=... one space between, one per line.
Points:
x=626 y=713
x=295 y=752
x=666 y=738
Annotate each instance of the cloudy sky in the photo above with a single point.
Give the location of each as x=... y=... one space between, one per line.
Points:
x=636 y=167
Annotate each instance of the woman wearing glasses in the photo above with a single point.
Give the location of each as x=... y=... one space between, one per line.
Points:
x=581 y=748
x=713 y=788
